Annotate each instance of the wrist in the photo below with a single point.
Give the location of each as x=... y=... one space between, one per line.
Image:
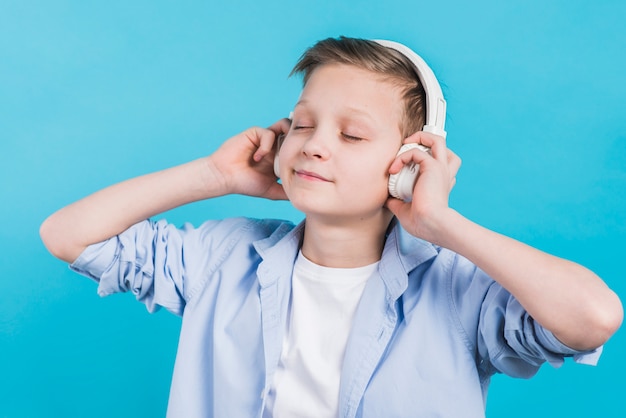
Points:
x=445 y=229
x=212 y=181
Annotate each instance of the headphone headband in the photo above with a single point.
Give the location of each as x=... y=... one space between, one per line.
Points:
x=435 y=103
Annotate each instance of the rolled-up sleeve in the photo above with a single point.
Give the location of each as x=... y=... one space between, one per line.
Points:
x=508 y=340
x=146 y=259
x=515 y=343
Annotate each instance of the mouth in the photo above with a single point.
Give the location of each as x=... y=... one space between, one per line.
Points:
x=310 y=175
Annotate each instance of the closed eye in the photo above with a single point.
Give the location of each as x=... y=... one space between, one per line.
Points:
x=351 y=137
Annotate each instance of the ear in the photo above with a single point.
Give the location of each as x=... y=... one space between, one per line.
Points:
x=279 y=142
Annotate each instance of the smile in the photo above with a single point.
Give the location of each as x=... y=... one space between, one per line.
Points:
x=309 y=175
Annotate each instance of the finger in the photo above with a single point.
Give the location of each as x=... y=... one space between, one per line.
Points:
x=414 y=155
x=454 y=162
x=266 y=142
x=265 y=138
x=421 y=137
x=438 y=148
x=436 y=143
x=416 y=138
x=281 y=126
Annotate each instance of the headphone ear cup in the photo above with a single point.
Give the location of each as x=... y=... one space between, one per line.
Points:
x=276 y=166
x=279 y=142
x=401 y=185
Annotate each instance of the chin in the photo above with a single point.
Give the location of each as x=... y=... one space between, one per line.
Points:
x=353 y=205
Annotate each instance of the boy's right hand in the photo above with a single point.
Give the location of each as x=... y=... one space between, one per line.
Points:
x=244 y=163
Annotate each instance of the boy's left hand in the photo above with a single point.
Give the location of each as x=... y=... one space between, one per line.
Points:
x=425 y=216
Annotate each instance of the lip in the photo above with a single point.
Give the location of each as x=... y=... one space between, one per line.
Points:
x=310 y=175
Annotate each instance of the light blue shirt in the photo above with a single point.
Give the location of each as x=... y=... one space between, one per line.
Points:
x=429 y=332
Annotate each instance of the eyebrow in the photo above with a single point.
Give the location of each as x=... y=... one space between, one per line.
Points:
x=350 y=109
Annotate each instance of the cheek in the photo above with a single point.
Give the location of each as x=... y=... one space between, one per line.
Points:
x=380 y=175
x=372 y=178
x=286 y=153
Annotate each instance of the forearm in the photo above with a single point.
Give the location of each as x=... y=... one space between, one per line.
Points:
x=108 y=212
x=564 y=297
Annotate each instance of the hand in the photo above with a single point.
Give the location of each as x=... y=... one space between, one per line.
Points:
x=425 y=215
x=245 y=162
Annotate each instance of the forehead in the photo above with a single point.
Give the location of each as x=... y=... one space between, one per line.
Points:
x=340 y=87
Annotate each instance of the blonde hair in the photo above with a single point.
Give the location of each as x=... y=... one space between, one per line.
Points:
x=392 y=65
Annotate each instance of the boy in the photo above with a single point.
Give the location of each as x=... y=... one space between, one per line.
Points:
x=372 y=306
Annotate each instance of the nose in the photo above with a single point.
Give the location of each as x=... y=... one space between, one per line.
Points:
x=317 y=144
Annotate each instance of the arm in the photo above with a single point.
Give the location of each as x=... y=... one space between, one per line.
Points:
x=243 y=165
x=564 y=297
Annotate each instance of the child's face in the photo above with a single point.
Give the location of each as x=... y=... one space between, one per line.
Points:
x=344 y=135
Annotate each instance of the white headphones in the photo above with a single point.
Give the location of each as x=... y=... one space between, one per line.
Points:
x=401 y=185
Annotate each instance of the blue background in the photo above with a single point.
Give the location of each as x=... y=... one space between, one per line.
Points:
x=94 y=92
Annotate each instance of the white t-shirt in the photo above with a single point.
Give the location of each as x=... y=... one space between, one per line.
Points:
x=323 y=303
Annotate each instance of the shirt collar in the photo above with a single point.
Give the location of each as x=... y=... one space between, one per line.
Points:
x=402 y=253
x=279 y=252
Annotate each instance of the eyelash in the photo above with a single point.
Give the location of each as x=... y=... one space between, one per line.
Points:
x=351 y=138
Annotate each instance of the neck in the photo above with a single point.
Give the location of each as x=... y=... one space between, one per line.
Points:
x=345 y=244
